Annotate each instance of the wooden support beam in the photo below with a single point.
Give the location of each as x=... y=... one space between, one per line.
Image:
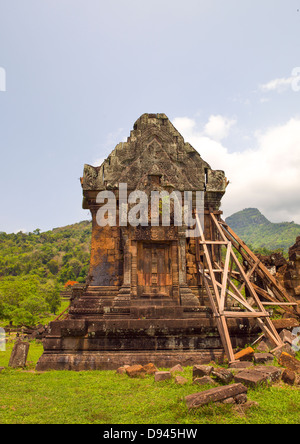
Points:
x=260 y=265
x=249 y=274
x=279 y=304
x=217 y=291
x=221 y=232
x=214 y=242
x=244 y=314
x=224 y=279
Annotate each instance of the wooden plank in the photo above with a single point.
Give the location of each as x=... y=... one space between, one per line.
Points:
x=224 y=278
x=264 y=293
x=269 y=332
x=245 y=314
x=208 y=260
x=214 y=242
x=239 y=297
x=227 y=343
x=249 y=274
x=220 y=320
x=221 y=232
x=280 y=303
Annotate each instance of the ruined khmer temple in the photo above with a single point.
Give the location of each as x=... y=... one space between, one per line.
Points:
x=144 y=300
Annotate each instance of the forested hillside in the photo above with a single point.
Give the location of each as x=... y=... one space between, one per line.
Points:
x=34 y=268
x=256 y=230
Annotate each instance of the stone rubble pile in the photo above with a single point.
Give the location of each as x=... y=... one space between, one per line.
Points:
x=229 y=385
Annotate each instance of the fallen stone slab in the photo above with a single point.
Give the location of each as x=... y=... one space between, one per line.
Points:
x=162 y=376
x=251 y=378
x=289 y=362
x=245 y=354
x=263 y=347
x=135 y=371
x=288 y=376
x=150 y=368
x=222 y=375
x=273 y=373
x=240 y=365
x=176 y=368
x=180 y=380
x=204 y=380
x=122 y=370
x=19 y=354
x=262 y=358
x=287 y=348
x=202 y=370
x=280 y=324
x=216 y=394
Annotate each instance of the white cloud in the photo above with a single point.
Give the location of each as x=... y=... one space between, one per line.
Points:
x=266 y=176
x=218 y=127
x=279 y=85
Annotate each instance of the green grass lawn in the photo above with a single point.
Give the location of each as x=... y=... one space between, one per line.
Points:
x=104 y=397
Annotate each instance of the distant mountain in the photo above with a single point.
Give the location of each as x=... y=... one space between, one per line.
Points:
x=256 y=230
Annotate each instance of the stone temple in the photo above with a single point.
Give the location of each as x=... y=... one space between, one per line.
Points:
x=143 y=300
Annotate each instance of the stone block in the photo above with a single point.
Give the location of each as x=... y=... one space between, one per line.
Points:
x=262 y=358
x=19 y=354
x=135 y=371
x=263 y=347
x=162 y=376
x=245 y=354
x=285 y=348
x=288 y=376
x=272 y=373
x=176 y=368
x=280 y=324
x=251 y=378
x=240 y=365
x=150 y=368
x=201 y=370
x=287 y=336
x=204 y=380
x=180 y=380
x=222 y=375
x=216 y=394
x=289 y=362
x=122 y=370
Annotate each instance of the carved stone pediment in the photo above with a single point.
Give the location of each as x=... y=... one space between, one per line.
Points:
x=154 y=148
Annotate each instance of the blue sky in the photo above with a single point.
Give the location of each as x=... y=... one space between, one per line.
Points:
x=80 y=72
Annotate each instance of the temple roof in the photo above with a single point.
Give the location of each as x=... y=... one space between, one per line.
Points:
x=154 y=148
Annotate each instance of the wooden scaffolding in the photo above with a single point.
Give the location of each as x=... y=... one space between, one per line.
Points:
x=230 y=279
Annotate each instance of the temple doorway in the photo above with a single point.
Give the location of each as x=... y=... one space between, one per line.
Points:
x=154 y=270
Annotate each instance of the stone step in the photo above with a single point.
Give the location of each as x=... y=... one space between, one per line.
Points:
x=102 y=288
